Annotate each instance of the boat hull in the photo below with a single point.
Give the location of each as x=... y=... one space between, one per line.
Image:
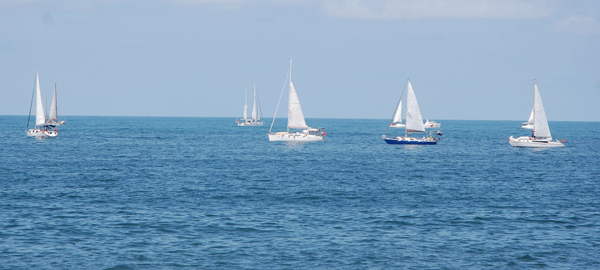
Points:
x=56 y=123
x=530 y=142
x=294 y=137
x=251 y=124
x=410 y=140
x=396 y=125
x=432 y=124
x=41 y=133
x=527 y=126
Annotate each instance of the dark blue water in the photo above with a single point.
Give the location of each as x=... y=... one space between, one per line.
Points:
x=203 y=193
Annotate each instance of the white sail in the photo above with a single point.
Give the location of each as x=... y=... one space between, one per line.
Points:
x=255 y=107
x=540 y=123
x=295 y=116
x=53 y=113
x=530 y=121
x=398 y=115
x=245 y=104
x=414 y=120
x=40 y=117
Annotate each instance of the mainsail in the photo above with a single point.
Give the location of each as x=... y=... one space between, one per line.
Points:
x=53 y=113
x=398 y=115
x=245 y=104
x=540 y=123
x=255 y=115
x=414 y=121
x=40 y=117
x=295 y=116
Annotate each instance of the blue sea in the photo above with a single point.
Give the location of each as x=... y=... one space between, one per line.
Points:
x=203 y=193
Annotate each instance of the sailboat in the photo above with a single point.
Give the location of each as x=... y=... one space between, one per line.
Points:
x=41 y=129
x=256 y=112
x=53 y=117
x=529 y=123
x=296 y=121
x=414 y=123
x=540 y=136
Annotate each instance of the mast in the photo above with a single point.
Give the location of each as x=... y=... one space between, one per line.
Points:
x=290 y=91
x=245 y=105
x=259 y=110
x=255 y=116
x=31 y=104
x=406 y=112
x=533 y=130
x=53 y=116
x=40 y=117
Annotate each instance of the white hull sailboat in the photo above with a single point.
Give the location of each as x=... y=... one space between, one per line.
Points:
x=296 y=121
x=307 y=135
x=414 y=123
x=533 y=142
x=540 y=136
x=53 y=117
x=256 y=112
x=41 y=128
x=529 y=123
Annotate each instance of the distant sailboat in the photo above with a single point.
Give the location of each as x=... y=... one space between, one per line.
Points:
x=414 y=123
x=41 y=129
x=540 y=136
x=529 y=123
x=295 y=121
x=53 y=117
x=256 y=112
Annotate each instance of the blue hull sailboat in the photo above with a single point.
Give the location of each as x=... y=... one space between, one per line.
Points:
x=409 y=140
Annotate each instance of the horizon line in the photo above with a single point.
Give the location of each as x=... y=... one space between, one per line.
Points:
x=235 y=117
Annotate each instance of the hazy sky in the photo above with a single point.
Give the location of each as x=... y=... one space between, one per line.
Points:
x=471 y=59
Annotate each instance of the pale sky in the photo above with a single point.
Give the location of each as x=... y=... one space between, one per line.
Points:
x=466 y=59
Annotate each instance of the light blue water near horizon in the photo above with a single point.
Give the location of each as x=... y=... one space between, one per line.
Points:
x=191 y=193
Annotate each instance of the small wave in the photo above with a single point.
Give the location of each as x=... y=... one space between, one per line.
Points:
x=526 y=258
x=121 y=267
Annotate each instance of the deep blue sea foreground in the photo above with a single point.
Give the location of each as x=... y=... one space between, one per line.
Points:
x=203 y=193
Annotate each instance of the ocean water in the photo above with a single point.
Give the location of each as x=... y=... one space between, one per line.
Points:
x=203 y=193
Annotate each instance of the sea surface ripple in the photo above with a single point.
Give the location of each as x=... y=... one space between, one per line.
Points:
x=203 y=193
